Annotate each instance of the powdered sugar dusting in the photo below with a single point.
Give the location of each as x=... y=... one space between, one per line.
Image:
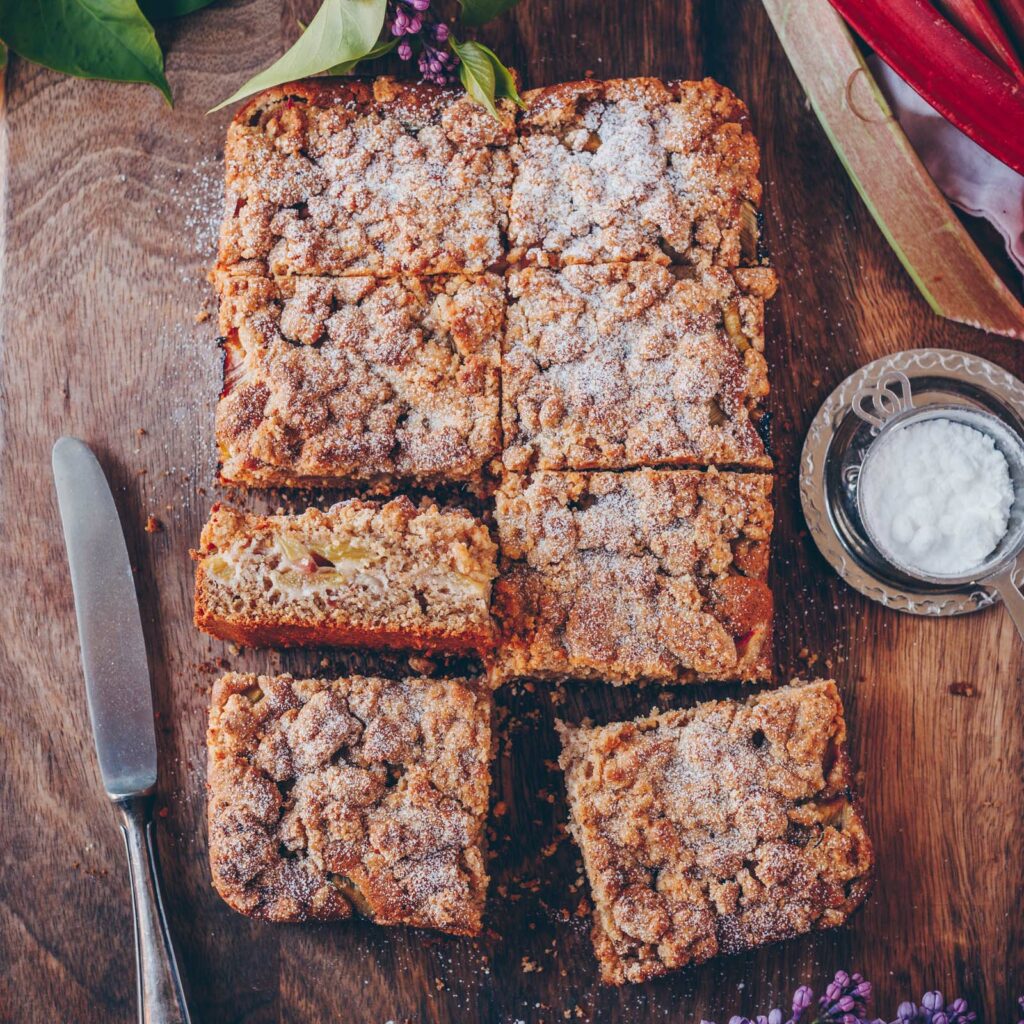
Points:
x=632 y=170
x=644 y=575
x=716 y=830
x=626 y=365
x=357 y=795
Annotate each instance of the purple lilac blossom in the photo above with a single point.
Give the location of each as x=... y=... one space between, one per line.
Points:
x=845 y=1002
x=411 y=20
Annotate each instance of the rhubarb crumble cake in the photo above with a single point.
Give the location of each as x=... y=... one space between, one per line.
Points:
x=362 y=796
x=716 y=829
x=360 y=574
x=652 y=575
x=359 y=380
x=625 y=365
x=634 y=169
x=332 y=177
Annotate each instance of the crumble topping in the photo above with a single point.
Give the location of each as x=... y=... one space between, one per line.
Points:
x=647 y=575
x=633 y=364
x=716 y=829
x=359 y=380
x=354 y=796
x=381 y=575
x=332 y=177
x=634 y=169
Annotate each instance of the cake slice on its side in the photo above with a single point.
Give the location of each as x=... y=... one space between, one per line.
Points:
x=355 y=380
x=626 y=365
x=652 y=575
x=716 y=829
x=359 y=796
x=360 y=574
x=634 y=169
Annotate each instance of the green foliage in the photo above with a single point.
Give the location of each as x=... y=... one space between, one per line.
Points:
x=113 y=39
x=87 y=38
x=348 y=66
x=484 y=77
x=342 y=31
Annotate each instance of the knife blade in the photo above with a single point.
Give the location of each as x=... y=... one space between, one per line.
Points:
x=120 y=707
x=109 y=625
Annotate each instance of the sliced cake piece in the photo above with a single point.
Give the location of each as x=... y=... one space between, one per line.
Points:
x=627 y=365
x=653 y=575
x=358 y=796
x=358 y=381
x=716 y=829
x=330 y=177
x=360 y=574
x=635 y=169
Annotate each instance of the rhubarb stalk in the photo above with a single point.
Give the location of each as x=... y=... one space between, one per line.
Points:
x=946 y=69
x=980 y=23
x=1012 y=12
x=914 y=217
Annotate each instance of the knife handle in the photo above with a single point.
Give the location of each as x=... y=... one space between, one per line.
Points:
x=160 y=995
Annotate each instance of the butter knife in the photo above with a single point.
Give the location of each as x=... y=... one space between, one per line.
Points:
x=120 y=707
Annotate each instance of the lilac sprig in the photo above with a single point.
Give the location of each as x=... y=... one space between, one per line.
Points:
x=933 y=1010
x=845 y=1001
x=413 y=21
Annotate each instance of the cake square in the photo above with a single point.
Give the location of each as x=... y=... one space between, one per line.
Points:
x=651 y=575
x=717 y=829
x=359 y=381
x=635 y=169
x=331 y=177
x=626 y=365
x=362 y=796
x=361 y=574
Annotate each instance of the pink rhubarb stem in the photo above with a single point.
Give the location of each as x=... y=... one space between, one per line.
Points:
x=951 y=73
x=980 y=23
x=1012 y=12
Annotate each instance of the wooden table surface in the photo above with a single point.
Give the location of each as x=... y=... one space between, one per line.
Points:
x=109 y=219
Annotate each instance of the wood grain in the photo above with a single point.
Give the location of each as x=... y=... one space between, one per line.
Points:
x=110 y=205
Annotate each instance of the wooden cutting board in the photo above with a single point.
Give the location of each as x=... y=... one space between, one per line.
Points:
x=109 y=219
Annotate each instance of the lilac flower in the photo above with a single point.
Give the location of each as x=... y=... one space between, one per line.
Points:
x=413 y=20
x=802 y=999
x=1020 y=1003
x=932 y=1003
x=906 y=1013
x=846 y=1002
x=845 y=999
x=437 y=64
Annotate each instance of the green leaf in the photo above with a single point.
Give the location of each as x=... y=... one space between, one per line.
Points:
x=476 y=72
x=476 y=12
x=348 y=66
x=3 y=55
x=155 y=10
x=484 y=76
x=505 y=84
x=87 y=38
x=341 y=31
